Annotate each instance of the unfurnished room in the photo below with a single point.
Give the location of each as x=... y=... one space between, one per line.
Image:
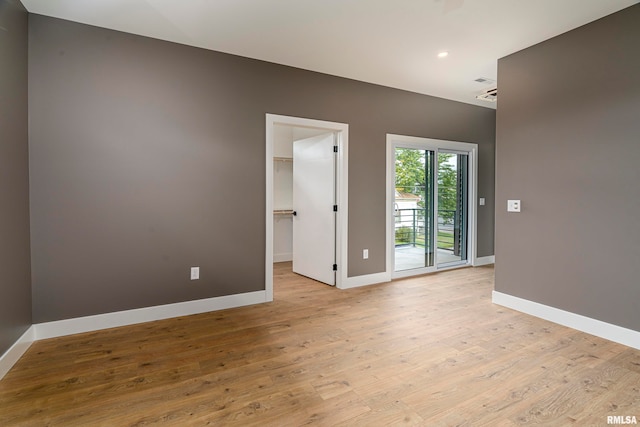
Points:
x=333 y=213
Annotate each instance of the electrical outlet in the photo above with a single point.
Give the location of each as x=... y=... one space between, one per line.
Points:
x=482 y=201
x=365 y=254
x=195 y=273
x=513 y=205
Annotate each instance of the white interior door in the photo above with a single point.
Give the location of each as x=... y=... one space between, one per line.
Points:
x=313 y=200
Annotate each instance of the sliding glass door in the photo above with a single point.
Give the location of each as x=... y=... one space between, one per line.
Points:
x=452 y=207
x=429 y=193
x=413 y=208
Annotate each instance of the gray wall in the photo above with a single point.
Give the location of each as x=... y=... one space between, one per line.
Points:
x=15 y=276
x=148 y=157
x=568 y=129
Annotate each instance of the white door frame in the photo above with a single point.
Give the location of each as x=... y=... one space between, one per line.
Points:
x=342 y=140
x=394 y=141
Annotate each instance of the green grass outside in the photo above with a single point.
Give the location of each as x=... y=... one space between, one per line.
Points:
x=404 y=236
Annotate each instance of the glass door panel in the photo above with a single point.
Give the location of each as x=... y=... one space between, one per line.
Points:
x=414 y=208
x=452 y=221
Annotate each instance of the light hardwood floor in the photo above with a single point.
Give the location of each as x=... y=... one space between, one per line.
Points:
x=429 y=350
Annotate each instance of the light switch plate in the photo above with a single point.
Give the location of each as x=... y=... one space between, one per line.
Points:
x=195 y=273
x=513 y=205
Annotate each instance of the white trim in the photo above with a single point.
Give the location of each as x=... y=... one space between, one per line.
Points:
x=268 y=260
x=365 y=280
x=591 y=326
x=414 y=272
x=78 y=325
x=471 y=149
x=389 y=207
x=15 y=352
x=342 y=130
x=484 y=260
x=342 y=232
x=282 y=257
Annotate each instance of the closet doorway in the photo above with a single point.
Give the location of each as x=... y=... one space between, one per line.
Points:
x=306 y=198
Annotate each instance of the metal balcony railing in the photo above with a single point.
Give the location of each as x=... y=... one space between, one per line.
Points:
x=412 y=228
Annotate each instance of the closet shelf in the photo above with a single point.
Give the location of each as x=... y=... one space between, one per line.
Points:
x=283 y=212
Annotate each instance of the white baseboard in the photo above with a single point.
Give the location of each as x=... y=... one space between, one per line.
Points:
x=591 y=326
x=283 y=257
x=365 y=280
x=15 y=352
x=485 y=260
x=148 y=314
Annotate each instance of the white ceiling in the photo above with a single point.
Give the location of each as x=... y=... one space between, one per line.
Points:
x=388 y=42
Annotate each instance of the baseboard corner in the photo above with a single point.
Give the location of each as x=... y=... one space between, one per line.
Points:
x=485 y=260
x=15 y=352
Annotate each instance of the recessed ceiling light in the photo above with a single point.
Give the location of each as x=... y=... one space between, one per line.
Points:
x=443 y=54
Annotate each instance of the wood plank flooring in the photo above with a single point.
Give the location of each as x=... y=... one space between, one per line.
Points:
x=428 y=351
